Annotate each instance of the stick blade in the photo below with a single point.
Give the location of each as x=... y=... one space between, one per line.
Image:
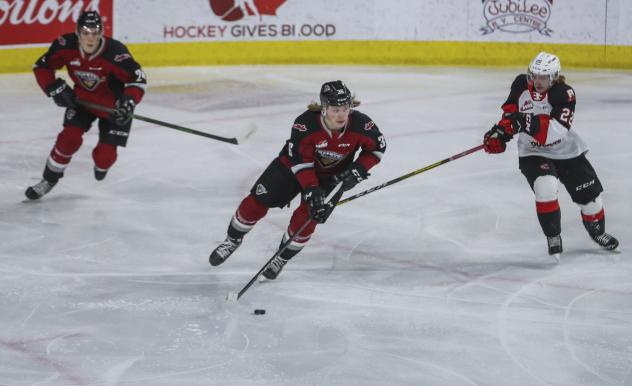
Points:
x=232 y=297
x=250 y=130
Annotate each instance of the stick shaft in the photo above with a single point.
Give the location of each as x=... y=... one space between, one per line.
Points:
x=285 y=245
x=281 y=249
x=411 y=174
x=160 y=123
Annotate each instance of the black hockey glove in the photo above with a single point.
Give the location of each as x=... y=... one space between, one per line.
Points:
x=123 y=110
x=350 y=177
x=318 y=209
x=523 y=123
x=495 y=140
x=62 y=94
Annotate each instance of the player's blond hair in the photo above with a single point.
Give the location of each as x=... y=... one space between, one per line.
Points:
x=560 y=79
x=315 y=106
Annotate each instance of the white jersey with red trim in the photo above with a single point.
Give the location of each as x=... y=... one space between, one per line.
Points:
x=555 y=110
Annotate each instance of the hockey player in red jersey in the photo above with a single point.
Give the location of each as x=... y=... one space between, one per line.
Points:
x=540 y=109
x=103 y=72
x=320 y=153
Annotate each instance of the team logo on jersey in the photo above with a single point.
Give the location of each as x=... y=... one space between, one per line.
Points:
x=89 y=80
x=299 y=127
x=369 y=125
x=322 y=144
x=75 y=62
x=328 y=158
x=122 y=57
x=344 y=144
x=536 y=96
x=260 y=190
x=517 y=16
x=233 y=10
x=526 y=106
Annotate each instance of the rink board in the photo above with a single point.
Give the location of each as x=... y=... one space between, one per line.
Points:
x=350 y=52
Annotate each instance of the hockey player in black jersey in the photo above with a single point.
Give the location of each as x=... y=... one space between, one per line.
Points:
x=329 y=143
x=540 y=110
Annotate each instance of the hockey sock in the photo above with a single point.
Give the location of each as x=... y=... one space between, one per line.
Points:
x=595 y=224
x=549 y=217
x=245 y=218
x=104 y=155
x=295 y=246
x=67 y=144
x=593 y=217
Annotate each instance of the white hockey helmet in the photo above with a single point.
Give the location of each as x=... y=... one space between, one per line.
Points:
x=544 y=64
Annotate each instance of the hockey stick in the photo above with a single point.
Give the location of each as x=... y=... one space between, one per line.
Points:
x=411 y=174
x=233 y=297
x=159 y=123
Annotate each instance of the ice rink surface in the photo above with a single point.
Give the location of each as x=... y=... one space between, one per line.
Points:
x=442 y=279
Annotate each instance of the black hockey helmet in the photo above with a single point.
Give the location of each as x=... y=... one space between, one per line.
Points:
x=335 y=93
x=90 y=20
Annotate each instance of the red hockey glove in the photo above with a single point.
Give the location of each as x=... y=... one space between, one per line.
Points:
x=523 y=123
x=495 y=140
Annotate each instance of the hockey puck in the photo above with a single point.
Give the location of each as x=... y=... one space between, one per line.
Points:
x=259 y=311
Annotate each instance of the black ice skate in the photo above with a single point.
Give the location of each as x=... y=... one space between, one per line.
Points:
x=99 y=174
x=38 y=190
x=555 y=246
x=224 y=250
x=606 y=241
x=597 y=232
x=274 y=268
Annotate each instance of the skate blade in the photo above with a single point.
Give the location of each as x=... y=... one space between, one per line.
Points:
x=30 y=201
x=556 y=256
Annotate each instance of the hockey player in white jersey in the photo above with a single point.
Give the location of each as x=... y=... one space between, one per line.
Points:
x=540 y=110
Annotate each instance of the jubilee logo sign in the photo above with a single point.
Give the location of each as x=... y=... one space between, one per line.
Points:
x=233 y=10
x=41 y=21
x=517 y=16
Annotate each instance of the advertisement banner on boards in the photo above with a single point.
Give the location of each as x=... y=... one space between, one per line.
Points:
x=545 y=21
x=27 y=22
x=24 y=22
x=221 y=20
